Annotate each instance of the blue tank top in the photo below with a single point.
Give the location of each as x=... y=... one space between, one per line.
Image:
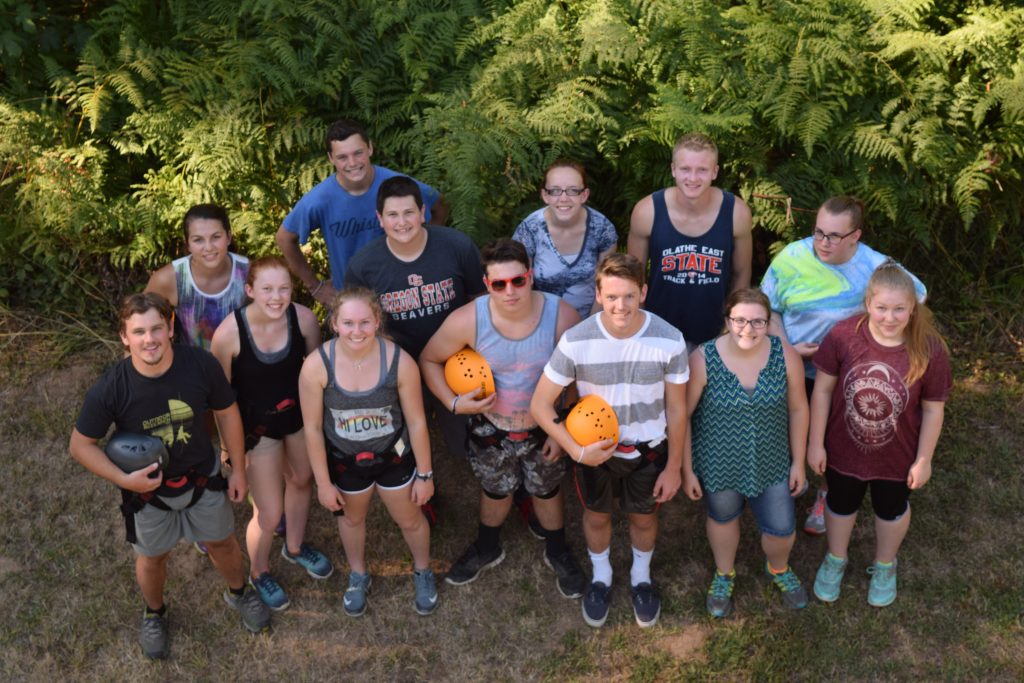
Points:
x=516 y=364
x=359 y=421
x=690 y=276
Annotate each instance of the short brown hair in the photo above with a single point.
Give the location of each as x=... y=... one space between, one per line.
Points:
x=695 y=142
x=503 y=250
x=565 y=163
x=621 y=265
x=849 y=205
x=140 y=303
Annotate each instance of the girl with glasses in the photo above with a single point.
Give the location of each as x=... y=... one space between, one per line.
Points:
x=747 y=443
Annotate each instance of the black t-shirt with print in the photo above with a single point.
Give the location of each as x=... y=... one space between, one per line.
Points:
x=171 y=407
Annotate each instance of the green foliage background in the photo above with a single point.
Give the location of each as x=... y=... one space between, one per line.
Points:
x=116 y=116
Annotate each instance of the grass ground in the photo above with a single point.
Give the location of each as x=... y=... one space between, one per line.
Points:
x=71 y=610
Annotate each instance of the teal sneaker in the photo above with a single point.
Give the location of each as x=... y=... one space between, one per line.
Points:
x=882 y=591
x=270 y=591
x=312 y=560
x=719 y=600
x=829 y=579
x=794 y=595
x=354 y=601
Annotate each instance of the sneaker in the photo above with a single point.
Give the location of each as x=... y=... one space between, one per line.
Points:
x=200 y=548
x=882 y=591
x=571 y=582
x=255 y=614
x=719 y=600
x=281 y=528
x=270 y=591
x=815 y=524
x=468 y=567
x=829 y=578
x=426 y=592
x=646 y=604
x=794 y=595
x=595 y=604
x=529 y=518
x=312 y=560
x=354 y=601
x=153 y=635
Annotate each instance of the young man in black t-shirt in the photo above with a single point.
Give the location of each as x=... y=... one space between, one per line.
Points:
x=164 y=391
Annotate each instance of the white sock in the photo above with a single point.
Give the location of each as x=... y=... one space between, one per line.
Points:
x=601 y=565
x=640 y=572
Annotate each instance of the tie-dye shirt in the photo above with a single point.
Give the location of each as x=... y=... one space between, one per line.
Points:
x=812 y=296
x=199 y=313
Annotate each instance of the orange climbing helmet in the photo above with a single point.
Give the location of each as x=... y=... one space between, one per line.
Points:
x=468 y=370
x=592 y=420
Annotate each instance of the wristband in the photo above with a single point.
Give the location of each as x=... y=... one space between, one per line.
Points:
x=454 y=401
x=426 y=476
x=319 y=286
x=579 y=460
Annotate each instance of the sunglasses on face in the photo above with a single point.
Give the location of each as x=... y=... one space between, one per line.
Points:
x=514 y=282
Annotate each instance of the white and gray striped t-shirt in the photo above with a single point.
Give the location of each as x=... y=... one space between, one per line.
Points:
x=630 y=374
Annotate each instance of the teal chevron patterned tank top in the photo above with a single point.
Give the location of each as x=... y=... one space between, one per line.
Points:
x=741 y=442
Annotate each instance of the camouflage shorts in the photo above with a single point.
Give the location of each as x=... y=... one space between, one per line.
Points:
x=502 y=464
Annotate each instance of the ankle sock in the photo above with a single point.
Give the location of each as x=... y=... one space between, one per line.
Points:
x=237 y=591
x=162 y=611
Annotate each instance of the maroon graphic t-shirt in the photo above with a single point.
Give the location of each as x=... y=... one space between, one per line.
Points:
x=875 y=419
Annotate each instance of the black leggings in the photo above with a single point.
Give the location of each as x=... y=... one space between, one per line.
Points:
x=889 y=499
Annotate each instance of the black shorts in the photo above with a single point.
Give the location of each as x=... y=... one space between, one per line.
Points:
x=889 y=499
x=630 y=481
x=390 y=471
x=274 y=424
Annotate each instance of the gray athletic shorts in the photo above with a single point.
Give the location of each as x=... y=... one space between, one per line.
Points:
x=210 y=519
x=501 y=465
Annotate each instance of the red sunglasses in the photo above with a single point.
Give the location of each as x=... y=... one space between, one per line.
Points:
x=514 y=282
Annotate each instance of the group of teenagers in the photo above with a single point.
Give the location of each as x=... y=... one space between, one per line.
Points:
x=722 y=391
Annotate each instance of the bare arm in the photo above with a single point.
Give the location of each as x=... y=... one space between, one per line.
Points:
x=162 y=282
x=694 y=390
x=85 y=450
x=410 y=396
x=542 y=408
x=310 y=328
x=455 y=333
x=229 y=424
x=821 y=404
x=312 y=380
x=932 y=415
x=796 y=397
x=641 y=221
x=224 y=346
x=440 y=211
x=288 y=243
x=742 y=246
x=670 y=479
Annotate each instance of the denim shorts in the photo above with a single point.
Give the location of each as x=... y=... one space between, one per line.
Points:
x=774 y=509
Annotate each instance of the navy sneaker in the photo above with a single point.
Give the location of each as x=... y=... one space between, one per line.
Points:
x=354 y=601
x=425 y=585
x=595 y=604
x=270 y=591
x=646 y=604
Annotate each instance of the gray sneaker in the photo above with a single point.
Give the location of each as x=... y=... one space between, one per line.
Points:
x=153 y=635
x=354 y=601
x=255 y=614
x=426 y=592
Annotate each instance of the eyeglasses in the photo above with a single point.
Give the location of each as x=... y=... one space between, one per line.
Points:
x=514 y=282
x=830 y=237
x=756 y=323
x=569 y=191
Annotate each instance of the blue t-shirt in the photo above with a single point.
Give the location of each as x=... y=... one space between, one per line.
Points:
x=346 y=221
x=812 y=296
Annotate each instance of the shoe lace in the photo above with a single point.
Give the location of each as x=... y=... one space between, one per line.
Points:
x=883 y=573
x=357 y=582
x=268 y=585
x=424 y=582
x=153 y=626
x=721 y=586
x=787 y=581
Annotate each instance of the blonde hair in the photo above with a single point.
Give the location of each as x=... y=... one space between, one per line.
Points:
x=363 y=294
x=920 y=336
x=695 y=142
